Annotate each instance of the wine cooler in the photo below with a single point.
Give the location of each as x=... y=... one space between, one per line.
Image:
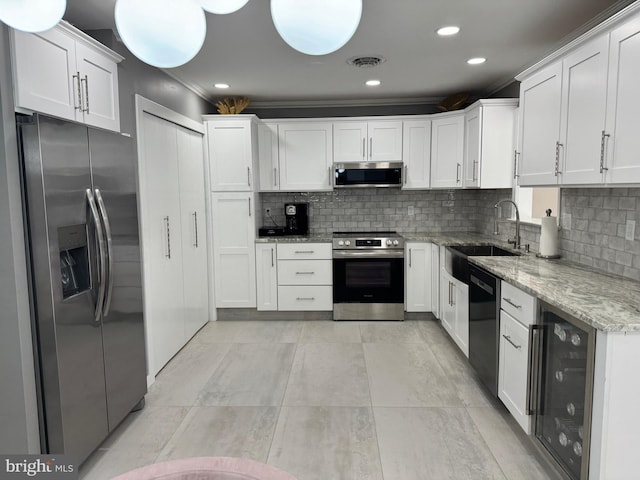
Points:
x=563 y=357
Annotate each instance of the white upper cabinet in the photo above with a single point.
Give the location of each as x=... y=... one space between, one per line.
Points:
x=373 y=140
x=268 y=157
x=447 y=150
x=231 y=142
x=65 y=73
x=416 y=154
x=305 y=156
x=578 y=113
x=540 y=127
x=584 y=103
x=622 y=161
x=488 y=145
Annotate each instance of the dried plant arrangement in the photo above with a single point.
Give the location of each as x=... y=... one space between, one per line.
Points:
x=232 y=105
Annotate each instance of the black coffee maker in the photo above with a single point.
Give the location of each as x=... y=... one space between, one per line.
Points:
x=297 y=218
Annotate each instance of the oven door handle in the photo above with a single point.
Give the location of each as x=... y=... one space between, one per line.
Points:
x=368 y=254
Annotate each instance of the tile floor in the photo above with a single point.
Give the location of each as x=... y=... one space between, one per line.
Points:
x=325 y=400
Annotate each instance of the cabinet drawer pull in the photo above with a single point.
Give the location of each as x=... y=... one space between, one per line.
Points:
x=306 y=298
x=305 y=251
x=508 y=339
x=305 y=273
x=510 y=302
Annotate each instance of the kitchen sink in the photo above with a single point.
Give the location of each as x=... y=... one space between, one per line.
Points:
x=483 y=250
x=456 y=262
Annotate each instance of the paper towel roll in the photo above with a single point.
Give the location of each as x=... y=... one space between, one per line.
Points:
x=549 y=245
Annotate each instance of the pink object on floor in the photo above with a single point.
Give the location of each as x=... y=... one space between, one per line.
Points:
x=207 y=468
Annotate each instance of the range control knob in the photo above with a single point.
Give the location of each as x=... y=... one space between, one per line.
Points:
x=340 y=242
x=389 y=242
x=347 y=242
x=396 y=243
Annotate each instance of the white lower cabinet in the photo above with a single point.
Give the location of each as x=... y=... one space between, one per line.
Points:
x=294 y=276
x=266 y=277
x=454 y=308
x=517 y=314
x=512 y=369
x=305 y=277
x=234 y=233
x=418 y=277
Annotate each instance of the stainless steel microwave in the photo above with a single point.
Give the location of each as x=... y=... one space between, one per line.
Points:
x=368 y=174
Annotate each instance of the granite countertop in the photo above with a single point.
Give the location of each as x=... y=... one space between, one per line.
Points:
x=295 y=239
x=607 y=302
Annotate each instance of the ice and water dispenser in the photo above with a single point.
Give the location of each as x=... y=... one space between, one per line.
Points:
x=74 y=260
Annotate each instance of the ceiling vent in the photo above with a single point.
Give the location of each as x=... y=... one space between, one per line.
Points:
x=368 y=61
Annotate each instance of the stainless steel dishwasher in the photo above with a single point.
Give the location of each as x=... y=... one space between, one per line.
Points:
x=484 y=325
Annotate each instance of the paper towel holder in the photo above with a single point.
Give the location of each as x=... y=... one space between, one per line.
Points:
x=549 y=257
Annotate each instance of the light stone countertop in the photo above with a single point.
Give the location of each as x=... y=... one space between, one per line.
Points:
x=606 y=302
x=295 y=239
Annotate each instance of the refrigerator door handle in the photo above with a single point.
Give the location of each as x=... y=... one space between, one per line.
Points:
x=101 y=248
x=109 y=240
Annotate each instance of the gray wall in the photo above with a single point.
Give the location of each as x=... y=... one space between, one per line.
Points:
x=18 y=410
x=345 y=111
x=136 y=77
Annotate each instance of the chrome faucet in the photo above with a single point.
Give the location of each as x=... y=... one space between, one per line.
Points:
x=516 y=240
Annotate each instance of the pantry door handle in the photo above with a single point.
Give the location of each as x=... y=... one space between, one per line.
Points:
x=195 y=225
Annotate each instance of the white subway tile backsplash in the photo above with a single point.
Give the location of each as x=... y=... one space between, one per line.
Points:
x=596 y=218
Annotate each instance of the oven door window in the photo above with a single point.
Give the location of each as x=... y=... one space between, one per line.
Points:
x=368 y=280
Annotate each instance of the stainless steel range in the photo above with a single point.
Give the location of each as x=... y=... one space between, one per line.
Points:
x=368 y=276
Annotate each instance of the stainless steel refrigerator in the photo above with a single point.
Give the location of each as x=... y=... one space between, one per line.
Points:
x=82 y=221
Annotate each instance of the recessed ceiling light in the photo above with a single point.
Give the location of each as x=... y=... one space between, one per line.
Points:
x=446 y=31
x=221 y=85
x=372 y=83
x=476 y=61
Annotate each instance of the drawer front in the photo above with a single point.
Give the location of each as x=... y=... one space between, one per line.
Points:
x=520 y=305
x=305 y=298
x=305 y=272
x=300 y=251
x=513 y=374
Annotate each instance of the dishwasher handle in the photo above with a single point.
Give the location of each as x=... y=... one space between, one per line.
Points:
x=484 y=286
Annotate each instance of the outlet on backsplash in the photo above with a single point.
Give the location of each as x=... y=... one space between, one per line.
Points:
x=630 y=232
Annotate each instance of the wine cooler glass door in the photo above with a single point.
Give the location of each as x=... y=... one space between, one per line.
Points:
x=566 y=386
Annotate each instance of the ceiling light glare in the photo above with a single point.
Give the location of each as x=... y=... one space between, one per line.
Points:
x=476 y=61
x=222 y=7
x=446 y=31
x=221 y=85
x=372 y=83
x=162 y=33
x=32 y=15
x=316 y=27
